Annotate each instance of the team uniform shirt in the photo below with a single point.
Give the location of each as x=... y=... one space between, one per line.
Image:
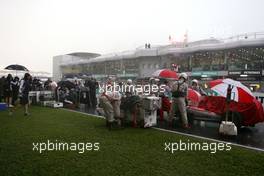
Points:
x=179 y=89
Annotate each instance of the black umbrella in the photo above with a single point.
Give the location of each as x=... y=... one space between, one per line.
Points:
x=16 y=67
x=67 y=84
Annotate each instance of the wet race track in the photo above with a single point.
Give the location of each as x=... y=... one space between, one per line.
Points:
x=247 y=136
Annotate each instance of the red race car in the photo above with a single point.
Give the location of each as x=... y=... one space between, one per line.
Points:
x=242 y=114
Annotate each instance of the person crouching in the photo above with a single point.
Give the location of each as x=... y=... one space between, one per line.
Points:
x=110 y=102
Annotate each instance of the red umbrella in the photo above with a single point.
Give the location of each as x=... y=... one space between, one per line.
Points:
x=240 y=93
x=193 y=96
x=165 y=73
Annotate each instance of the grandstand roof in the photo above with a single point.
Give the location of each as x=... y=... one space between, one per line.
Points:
x=245 y=40
x=84 y=54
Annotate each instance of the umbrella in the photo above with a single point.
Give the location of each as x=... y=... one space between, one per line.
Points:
x=240 y=93
x=16 y=67
x=193 y=96
x=67 y=84
x=165 y=73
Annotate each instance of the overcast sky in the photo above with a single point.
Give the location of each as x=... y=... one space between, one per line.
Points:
x=33 y=31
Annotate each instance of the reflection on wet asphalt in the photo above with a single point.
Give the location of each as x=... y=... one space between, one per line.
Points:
x=249 y=136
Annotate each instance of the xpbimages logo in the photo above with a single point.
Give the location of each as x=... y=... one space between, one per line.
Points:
x=211 y=147
x=138 y=89
x=56 y=145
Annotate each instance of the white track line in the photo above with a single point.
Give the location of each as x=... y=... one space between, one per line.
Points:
x=210 y=139
x=84 y=113
x=180 y=133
